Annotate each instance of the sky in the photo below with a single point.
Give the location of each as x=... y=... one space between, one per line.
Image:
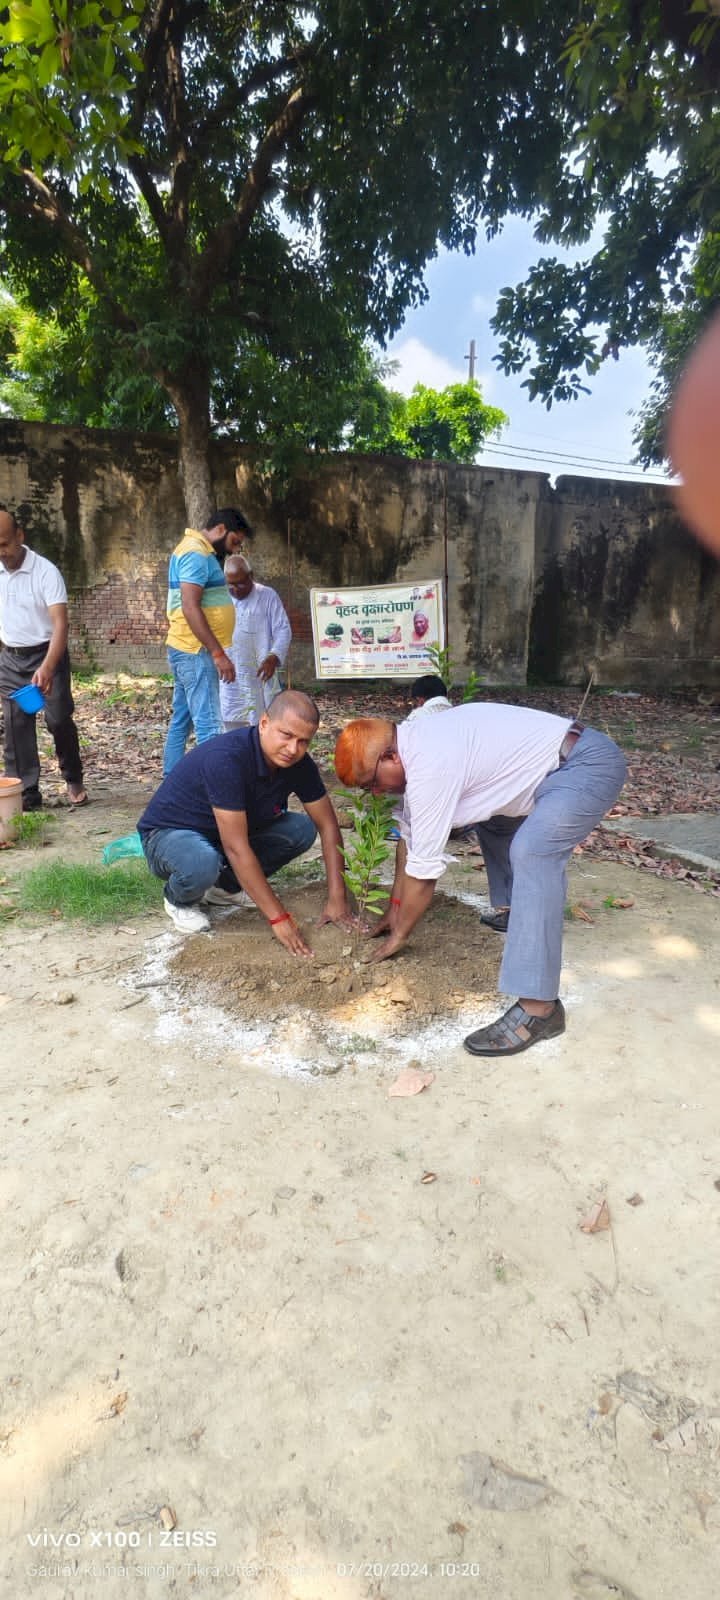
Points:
x=593 y=432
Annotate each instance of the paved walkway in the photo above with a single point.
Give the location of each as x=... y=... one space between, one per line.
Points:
x=688 y=836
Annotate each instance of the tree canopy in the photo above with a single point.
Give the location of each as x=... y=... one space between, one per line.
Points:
x=641 y=169
x=448 y=424
x=226 y=178
x=249 y=192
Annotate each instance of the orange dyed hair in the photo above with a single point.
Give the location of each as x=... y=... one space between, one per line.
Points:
x=358 y=747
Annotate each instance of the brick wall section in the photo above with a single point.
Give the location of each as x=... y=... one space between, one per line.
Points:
x=120 y=622
x=586 y=573
x=301 y=625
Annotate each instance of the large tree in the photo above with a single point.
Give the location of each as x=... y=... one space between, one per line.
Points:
x=448 y=424
x=224 y=176
x=639 y=179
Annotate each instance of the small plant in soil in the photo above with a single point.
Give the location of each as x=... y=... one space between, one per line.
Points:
x=355 y=1044
x=367 y=849
x=443 y=663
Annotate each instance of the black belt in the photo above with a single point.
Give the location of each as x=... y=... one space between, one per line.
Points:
x=26 y=649
x=571 y=739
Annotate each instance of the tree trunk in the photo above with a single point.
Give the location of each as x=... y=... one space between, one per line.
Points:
x=189 y=392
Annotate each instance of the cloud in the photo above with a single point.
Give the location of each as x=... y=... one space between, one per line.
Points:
x=418 y=364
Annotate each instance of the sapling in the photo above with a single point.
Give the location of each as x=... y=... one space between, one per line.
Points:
x=442 y=662
x=367 y=849
x=471 y=688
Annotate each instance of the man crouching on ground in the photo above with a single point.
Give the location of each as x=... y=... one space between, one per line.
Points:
x=218 y=826
x=533 y=785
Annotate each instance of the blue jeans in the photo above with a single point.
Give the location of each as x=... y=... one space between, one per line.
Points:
x=190 y=864
x=196 y=703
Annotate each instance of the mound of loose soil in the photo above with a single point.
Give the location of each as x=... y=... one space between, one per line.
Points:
x=449 y=963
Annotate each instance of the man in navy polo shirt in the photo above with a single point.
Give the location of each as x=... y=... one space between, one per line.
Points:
x=218 y=826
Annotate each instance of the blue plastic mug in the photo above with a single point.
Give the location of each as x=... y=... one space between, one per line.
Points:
x=30 y=699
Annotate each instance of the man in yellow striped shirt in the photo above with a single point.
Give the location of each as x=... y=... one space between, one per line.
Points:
x=201 y=618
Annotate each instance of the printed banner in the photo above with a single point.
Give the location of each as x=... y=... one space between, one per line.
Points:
x=377 y=633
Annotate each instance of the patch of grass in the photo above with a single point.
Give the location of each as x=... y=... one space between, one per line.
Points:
x=28 y=828
x=90 y=894
x=123 y=697
x=355 y=1044
x=88 y=677
x=300 y=872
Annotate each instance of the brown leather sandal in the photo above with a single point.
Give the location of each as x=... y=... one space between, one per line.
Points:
x=516 y=1030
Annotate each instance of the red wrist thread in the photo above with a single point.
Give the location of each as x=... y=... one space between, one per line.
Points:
x=395 y=902
x=275 y=920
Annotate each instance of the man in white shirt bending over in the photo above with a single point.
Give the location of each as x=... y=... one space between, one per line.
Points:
x=34 y=633
x=549 y=781
x=260 y=643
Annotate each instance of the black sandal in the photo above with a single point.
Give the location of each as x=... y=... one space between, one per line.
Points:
x=496 y=919
x=516 y=1030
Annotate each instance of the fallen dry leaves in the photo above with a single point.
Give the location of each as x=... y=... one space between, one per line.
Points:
x=597 y=1219
x=410 y=1081
x=579 y=913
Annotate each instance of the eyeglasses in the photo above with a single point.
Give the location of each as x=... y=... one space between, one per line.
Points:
x=382 y=757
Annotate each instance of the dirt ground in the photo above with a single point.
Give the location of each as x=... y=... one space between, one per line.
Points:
x=269 y=1331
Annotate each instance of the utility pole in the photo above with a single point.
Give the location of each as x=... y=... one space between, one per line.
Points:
x=471 y=361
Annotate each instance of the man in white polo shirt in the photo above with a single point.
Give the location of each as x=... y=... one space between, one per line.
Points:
x=548 y=781
x=34 y=634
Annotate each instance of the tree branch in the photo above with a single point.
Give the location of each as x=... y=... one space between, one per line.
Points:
x=46 y=207
x=229 y=235
x=151 y=195
x=153 y=46
x=177 y=123
x=262 y=75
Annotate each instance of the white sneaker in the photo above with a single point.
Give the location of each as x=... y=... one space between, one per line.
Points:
x=189 y=919
x=223 y=897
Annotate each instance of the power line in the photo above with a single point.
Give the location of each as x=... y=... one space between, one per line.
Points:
x=553 y=443
x=563 y=459
x=563 y=455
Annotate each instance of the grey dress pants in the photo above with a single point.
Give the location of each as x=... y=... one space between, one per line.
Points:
x=17 y=665
x=526 y=860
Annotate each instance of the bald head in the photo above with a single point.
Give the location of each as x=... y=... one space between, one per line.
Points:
x=295 y=703
x=11 y=542
x=238 y=577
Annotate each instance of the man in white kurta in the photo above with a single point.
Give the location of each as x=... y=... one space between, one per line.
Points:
x=260 y=643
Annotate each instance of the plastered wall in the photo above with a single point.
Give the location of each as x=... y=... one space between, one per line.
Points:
x=540 y=580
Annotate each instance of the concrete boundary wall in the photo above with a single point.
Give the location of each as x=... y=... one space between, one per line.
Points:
x=540 y=580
